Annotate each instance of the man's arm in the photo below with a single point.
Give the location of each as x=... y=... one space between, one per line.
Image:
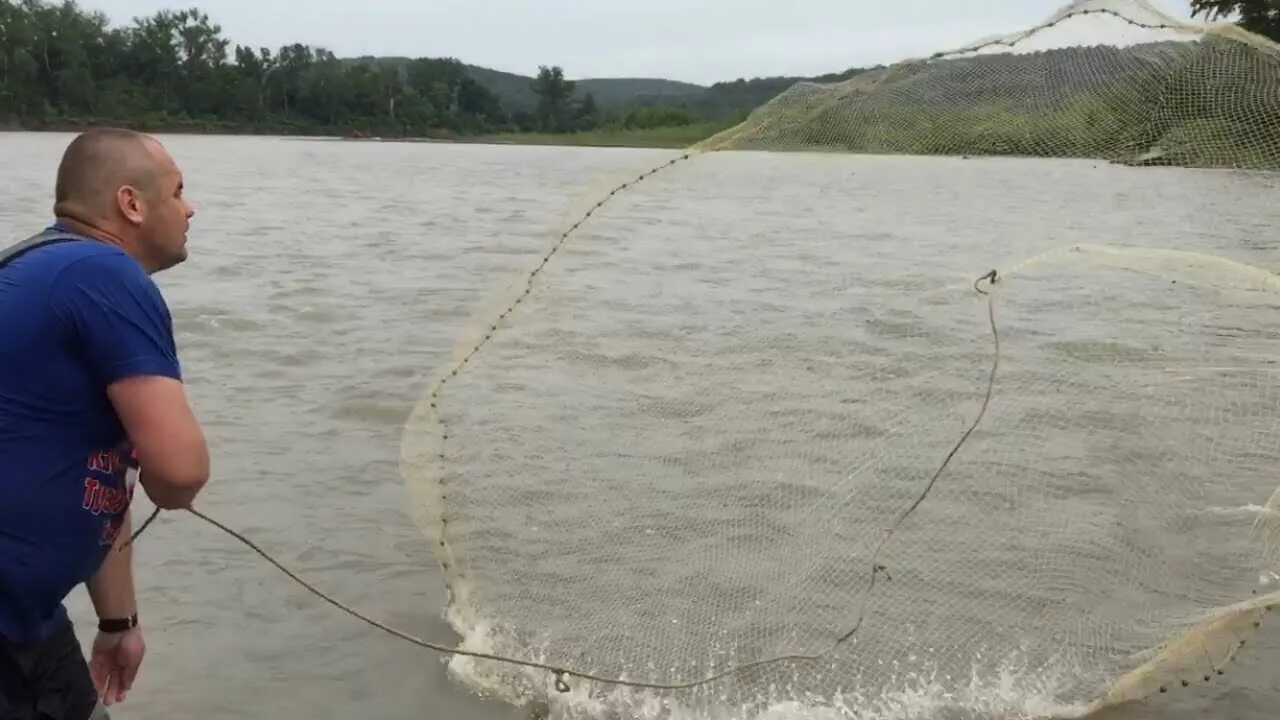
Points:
x=116 y=656
x=170 y=446
x=111 y=588
x=115 y=314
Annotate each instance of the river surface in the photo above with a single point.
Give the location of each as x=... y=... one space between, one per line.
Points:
x=329 y=280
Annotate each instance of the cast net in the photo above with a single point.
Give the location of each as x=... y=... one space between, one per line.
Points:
x=721 y=422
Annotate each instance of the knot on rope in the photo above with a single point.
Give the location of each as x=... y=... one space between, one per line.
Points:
x=561 y=685
x=990 y=277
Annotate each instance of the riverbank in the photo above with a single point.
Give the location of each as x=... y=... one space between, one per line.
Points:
x=661 y=137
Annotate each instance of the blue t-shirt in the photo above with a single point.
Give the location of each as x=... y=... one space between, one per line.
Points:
x=74 y=318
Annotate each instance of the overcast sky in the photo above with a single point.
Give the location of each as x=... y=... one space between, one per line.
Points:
x=700 y=41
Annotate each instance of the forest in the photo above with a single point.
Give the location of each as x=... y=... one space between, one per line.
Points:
x=62 y=67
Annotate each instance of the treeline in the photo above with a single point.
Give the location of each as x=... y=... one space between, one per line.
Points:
x=61 y=65
x=561 y=108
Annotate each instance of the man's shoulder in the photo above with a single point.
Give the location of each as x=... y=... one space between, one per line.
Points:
x=85 y=267
x=72 y=253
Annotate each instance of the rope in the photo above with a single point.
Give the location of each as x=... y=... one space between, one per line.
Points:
x=560 y=672
x=1024 y=36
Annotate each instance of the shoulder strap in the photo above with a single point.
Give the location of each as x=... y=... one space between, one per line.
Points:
x=39 y=240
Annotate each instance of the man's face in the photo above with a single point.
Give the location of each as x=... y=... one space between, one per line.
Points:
x=167 y=215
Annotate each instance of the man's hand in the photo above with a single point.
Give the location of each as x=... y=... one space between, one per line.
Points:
x=114 y=662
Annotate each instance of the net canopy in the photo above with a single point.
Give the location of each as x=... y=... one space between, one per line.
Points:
x=721 y=423
x=1107 y=79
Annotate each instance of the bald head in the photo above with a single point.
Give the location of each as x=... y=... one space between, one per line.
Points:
x=122 y=187
x=97 y=164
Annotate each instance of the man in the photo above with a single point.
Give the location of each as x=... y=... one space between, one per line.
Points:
x=90 y=386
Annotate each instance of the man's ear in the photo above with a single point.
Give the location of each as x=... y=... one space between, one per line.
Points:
x=129 y=201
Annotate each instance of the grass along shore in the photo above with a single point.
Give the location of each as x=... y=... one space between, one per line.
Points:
x=660 y=137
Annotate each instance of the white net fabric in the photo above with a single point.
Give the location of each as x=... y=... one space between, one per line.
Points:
x=1109 y=79
x=679 y=449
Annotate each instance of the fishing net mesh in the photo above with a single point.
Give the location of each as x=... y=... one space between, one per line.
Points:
x=656 y=460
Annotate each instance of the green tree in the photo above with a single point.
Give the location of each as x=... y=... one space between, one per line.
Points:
x=1257 y=16
x=588 y=112
x=645 y=118
x=555 y=94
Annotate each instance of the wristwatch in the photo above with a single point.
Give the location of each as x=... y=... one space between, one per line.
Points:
x=118 y=625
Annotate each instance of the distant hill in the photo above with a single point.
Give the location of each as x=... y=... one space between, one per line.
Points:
x=722 y=98
x=742 y=94
x=517 y=95
x=515 y=91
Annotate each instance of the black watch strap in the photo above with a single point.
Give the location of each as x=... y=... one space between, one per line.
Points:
x=118 y=625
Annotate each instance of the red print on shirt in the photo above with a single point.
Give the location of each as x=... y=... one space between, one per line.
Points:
x=102 y=496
